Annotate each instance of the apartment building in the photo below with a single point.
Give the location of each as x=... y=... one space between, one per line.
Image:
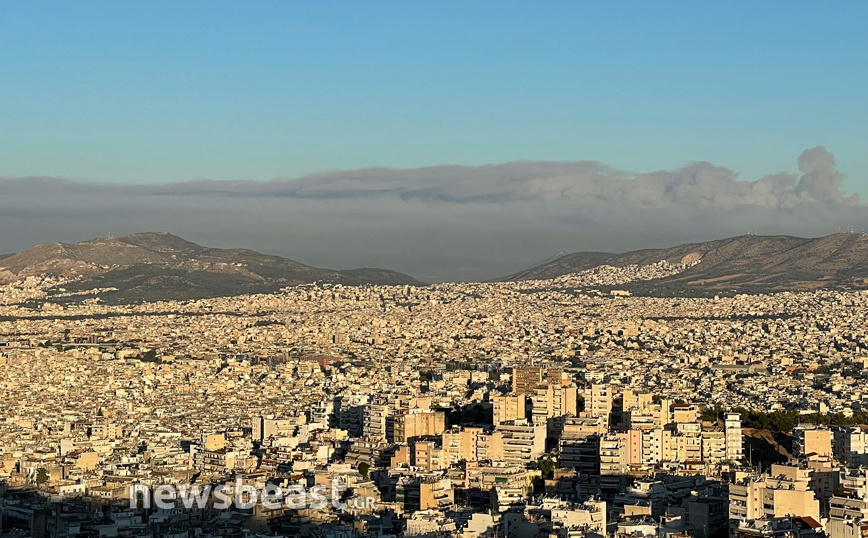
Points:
x=522 y=442
x=508 y=407
x=734 y=437
x=812 y=440
x=472 y=443
x=850 y=446
x=550 y=401
x=418 y=424
x=598 y=402
x=785 y=492
x=525 y=379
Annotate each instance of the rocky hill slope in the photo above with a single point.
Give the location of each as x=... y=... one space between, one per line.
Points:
x=746 y=264
x=158 y=266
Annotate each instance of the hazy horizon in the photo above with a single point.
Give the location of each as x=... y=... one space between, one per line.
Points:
x=448 y=222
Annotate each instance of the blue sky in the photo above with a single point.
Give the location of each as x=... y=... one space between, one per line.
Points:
x=172 y=91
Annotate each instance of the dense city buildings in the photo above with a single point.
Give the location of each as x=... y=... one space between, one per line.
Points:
x=525 y=409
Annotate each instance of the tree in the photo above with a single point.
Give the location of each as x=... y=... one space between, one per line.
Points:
x=363 y=469
x=41 y=476
x=547 y=467
x=711 y=414
x=539 y=485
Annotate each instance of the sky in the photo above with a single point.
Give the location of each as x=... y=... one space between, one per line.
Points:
x=133 y=96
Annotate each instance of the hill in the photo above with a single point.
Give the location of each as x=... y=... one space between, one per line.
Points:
x=743 y=264
x=160 y=266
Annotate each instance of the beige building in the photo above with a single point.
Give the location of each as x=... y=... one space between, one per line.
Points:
x=786 y=492
x=87 y=461
x=436 y=494
x=215 y=441
x=685 y=443
x=472 y=444
x=734 y=437
x=631 y=400
x=522 y=442
x=656 y=446
x=579 y=444
x=598 y=402
x=809 y=440
x=418 y=424
x=848 y=507
x=508 y=407
x=682 y=413
x=415 y=493
x=428 y=455
x=851 y=446
x=614 y=454
x=713 y=446
x=550 y=401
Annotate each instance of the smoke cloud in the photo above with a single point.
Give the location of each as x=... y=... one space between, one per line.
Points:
x=442 y=222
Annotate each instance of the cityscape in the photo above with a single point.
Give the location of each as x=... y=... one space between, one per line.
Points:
x=433 y=269
x=526 y=409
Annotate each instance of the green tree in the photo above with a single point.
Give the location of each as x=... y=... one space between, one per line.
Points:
x=363 y=469
x=547 y=467
x=711 y=414
x=41 y=476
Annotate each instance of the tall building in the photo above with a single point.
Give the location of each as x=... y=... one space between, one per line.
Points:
x=522 y=442
x=424 y=493
x=550 y=401
x=508 y=407
x=349 y=410
x=525 y=379
x=848 y=508
x=656 y=446
x=786 y=492
x=630 y=400
x=472 y=444
x=323 y=412
x=378 y=417
x=556 y=376
x=684 y=412
x=686 y=443
x=734 y=437
x=614 y=461
x=579 y=444
x=812 y=440
x=418 y=424
x=713 y=446
x=850 y=446
x=265 y=427
x=428 y=455
x=598 y=402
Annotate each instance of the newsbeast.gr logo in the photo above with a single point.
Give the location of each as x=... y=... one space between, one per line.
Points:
x=244 y=496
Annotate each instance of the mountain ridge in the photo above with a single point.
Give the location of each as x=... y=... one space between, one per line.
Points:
x=152 y=266
x=746 y=264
